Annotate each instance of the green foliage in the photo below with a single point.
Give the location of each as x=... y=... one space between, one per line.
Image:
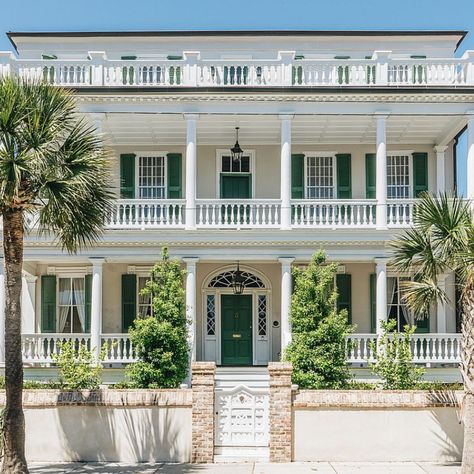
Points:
x=317 y=350
x=393 y=359
x=160 y=341
x=77 y=367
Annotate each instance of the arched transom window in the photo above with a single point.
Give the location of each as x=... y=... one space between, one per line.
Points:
x=224 y=280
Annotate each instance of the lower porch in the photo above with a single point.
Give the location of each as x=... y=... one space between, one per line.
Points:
x=95 y=302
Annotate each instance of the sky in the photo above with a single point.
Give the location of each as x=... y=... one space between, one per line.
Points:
x=96 y=15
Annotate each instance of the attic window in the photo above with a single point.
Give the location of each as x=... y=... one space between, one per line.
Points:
x=342 y=57
x=299 y=56
x=48 y=56
x=418 y=57
x=128 y=58
x=174 y=57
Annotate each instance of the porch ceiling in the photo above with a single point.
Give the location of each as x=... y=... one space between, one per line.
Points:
x=123 y=129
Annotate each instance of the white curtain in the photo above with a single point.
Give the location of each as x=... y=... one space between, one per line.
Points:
x=408 y=315
x=79 y=299
x=64 y=301
x=390 y=292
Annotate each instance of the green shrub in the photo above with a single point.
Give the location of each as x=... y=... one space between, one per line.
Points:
x=160 y=341
x=77 y=367
x=393 y=358
x=318 y=347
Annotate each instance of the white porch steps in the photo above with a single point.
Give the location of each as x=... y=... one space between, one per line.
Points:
x=231 y=378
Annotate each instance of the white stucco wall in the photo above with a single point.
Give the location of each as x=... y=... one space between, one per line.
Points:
x=126 y=434
x=351 y=434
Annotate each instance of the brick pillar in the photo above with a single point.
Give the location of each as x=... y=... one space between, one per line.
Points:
x=203 y=412
x=280 y=411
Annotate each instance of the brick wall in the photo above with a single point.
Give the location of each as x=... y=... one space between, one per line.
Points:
x=203 y=412
x=280 y=411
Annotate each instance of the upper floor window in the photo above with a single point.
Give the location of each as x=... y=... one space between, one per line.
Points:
x=71 y=305
x=151 y=177
x=320 y=177
x=398 y=177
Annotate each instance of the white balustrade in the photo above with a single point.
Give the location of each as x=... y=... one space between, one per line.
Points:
x=118 y=348
x=333 y=213
x=239 y=214
x=400 y=212
x=248 y=73
x=40 y=348
x=147 y=214
x=426 y=348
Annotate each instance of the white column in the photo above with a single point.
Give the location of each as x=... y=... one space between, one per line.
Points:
x=2 y=313
x=285 y=180
x=96 y=306
x=190 y=214
x=441 y=323
x=470 y=157
x=380 y=293
x=381 y=172
x=286 y=287
x=191 y=303
x=440 y=168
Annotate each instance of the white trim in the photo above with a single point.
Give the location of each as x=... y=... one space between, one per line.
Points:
x=320 y=154
x=151 y=154
x=220 y=152
x=69 y=271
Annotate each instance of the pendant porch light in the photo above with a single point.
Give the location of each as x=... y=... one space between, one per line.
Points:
x=238 y=281
x=236 y=151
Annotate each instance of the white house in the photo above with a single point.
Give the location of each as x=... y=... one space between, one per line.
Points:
x=340 y=131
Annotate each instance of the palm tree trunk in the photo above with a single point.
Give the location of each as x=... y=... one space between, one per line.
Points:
x=14 y=460
x=467 y=368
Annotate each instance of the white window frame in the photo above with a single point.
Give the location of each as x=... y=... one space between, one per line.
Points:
x=320 y=154
x=150 y=154
x=409 y=154
x=70 y=277
x=224 y=152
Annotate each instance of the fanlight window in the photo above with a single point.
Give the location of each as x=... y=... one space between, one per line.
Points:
x=224 y=280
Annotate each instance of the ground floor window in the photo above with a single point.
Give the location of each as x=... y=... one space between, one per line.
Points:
x=145 y=306
x=71 y=305
x=397 y=308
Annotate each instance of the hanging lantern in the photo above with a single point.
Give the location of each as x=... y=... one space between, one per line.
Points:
x=238 y=281
x=236 y=151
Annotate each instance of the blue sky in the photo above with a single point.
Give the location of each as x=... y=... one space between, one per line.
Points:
x=92 y=15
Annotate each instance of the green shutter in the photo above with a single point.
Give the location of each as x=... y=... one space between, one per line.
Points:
x=297 y=176
x=420 y=173
x=344 y=289
x=129 y=300
x=127 y=176
x=88 y=299
x=48 y=303
x=344 y=176
x=174 y=175
x=373 y=308
x=370 y=176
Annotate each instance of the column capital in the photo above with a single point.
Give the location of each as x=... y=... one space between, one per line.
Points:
x=97 y=55
x=381 y=115
x=190 y=260
x=97 y=261
x=440 y=148
x=191 y=55
x=382 y=261
x=286 y=260
x=190 y=116
x=286 y=116
x=30 y=278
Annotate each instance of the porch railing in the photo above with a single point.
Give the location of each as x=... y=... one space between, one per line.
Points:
x=426 y=348
x=284 y=70
x=218 y=213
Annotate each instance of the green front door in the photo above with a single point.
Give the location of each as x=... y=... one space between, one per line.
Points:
x=236 y=186
x=236 y=323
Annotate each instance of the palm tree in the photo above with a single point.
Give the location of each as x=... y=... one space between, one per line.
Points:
x=442 y=241
x=53 y=165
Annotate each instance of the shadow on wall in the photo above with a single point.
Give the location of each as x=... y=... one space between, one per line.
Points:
x=126 y=434
x=451 y=440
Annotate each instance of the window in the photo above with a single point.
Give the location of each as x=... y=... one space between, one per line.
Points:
x=320 y=177
x=228 y=165
x=151 y=177
x=398 y=176
x=262 y=315
x=211 y=315
x=145 y=306
x=397 y=309
x=72 y=306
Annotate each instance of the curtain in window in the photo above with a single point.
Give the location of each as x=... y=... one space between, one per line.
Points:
x=391 y=285
x=79 y=299
x=64 y=302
